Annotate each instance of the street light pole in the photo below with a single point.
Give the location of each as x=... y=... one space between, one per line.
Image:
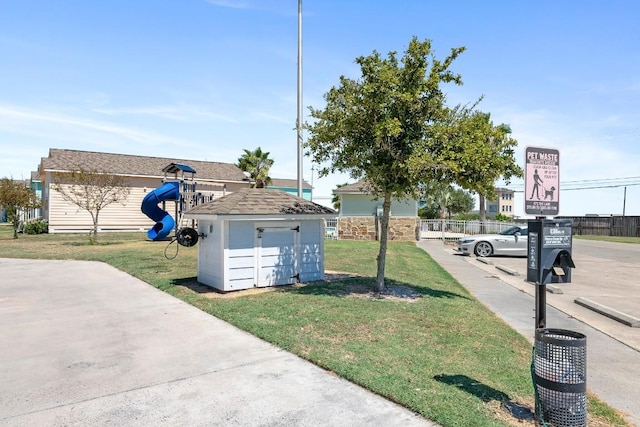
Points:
x=299 y=120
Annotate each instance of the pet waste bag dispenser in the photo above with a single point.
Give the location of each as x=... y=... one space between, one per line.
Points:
x=549 y=251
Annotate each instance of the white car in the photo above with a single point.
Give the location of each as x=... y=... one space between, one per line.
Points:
x=512 y=241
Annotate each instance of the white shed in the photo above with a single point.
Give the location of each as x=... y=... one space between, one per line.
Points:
x=258 y=237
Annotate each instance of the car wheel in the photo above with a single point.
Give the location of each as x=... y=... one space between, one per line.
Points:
x=483 y=249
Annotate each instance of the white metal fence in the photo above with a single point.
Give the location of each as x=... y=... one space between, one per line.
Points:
x=449 y=229
x=437 y=229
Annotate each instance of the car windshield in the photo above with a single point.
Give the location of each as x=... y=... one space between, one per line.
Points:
x=513 y=230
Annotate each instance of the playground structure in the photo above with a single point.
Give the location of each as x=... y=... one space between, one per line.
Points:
x=181 y=189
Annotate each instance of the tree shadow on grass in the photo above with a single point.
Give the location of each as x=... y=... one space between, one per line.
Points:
x=487 y=394
x=366 y=286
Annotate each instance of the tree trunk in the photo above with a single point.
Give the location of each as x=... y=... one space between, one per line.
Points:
x=16 y=223
x=94 y=233
x=483 y=214
x=384 y=229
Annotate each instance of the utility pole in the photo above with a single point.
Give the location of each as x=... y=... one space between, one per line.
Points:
x=299 y=120
x=624 y=201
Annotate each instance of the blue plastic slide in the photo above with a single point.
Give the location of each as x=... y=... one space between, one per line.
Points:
x=164 y=221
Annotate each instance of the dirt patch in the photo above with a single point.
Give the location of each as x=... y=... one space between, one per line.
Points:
x=366 y=289
x=357 y=290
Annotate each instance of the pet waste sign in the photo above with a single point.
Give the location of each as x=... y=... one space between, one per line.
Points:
x=542 y=181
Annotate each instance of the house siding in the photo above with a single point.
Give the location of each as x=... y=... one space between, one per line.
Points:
x=65 y=217
x=363 y=205
x=126 y=216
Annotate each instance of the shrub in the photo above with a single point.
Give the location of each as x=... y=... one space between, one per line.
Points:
x=36 y=226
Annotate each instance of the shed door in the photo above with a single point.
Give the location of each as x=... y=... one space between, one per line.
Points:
x=277 y=263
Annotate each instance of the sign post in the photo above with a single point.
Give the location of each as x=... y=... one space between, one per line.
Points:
x=542 y=181
x=541 y=198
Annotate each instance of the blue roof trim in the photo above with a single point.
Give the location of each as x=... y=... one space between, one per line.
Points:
x=178 y=167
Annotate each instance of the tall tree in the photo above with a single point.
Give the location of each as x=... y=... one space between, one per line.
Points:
x=91 y=191
x=258 y=164
x=15 y=196
x=460 y=202
x=371 y=127
x=476 y=153
x=445 y=200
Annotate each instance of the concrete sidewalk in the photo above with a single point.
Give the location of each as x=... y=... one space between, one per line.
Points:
x=82 y=343
x=613 y=368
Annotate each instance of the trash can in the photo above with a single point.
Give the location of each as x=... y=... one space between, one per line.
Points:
x=559 y=370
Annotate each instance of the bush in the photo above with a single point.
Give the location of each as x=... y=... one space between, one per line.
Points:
x=36 y=226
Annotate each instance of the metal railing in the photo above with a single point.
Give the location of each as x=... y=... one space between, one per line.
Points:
x=437 y=229
x=449 y=229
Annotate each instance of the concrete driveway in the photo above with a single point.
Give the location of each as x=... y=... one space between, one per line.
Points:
x=82 y=343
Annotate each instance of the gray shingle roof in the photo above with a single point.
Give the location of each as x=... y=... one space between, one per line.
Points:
x=260 y=201
x=125 y=164
x=288 y=183
x=356 y=187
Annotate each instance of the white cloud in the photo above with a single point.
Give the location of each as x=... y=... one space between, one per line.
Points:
x=40 y=122
x=233 y=4
x=180 y=113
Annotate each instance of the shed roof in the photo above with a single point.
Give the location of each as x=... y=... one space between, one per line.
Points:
x=126 y=164
x=260 y=202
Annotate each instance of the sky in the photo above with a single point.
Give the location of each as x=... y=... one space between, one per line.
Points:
x=205 y=79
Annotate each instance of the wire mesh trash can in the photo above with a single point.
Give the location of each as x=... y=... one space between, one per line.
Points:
x=560 y=377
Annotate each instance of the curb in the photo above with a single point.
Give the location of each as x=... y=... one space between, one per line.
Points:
x=609 y=312
x=507 y=270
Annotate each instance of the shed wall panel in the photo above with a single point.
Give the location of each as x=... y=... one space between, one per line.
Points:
x=241 y=261
x=211 y=253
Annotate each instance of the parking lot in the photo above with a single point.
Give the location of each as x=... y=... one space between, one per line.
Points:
x=606 y=273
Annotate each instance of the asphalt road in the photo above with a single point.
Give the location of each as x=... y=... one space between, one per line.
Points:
x=606 y=273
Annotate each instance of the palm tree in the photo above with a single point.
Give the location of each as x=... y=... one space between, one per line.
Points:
x=257 y=163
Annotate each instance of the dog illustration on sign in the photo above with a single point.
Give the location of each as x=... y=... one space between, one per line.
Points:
x=549 y=193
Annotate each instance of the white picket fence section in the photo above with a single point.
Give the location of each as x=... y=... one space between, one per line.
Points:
x=449 y=229
x=438 y=229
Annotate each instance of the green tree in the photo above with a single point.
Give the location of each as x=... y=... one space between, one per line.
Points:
x=474 y=152
x=460 y=202
x=437 y=195
x=91 y=191
x=372 y=127
x=443 y=200
x=15 y=196
x=257 y=163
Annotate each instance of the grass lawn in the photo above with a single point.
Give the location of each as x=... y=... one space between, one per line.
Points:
x=444 y=356
x=615 y=239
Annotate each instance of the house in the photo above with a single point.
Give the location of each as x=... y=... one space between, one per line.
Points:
x=258 y=237
x=359 y=215
x=504 y=204
x=291 y=186
x=143 y=174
